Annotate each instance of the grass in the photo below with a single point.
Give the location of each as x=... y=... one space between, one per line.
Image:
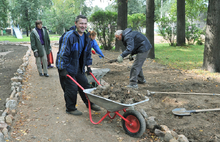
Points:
x=180 y=57
x=11 y=38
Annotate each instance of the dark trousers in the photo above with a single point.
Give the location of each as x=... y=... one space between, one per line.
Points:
x=70 y=89
x=136 y=72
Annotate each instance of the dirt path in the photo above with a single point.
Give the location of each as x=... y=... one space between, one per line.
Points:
x=41 y=113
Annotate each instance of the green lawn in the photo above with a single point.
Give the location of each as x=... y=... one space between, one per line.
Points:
x=11 y=38
x=185 y=57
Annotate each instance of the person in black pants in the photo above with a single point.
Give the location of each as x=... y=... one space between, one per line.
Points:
x=73 y=55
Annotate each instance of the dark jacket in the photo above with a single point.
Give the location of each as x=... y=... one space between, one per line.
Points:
x=36 y=43
x=68 y=54
x=135 y=42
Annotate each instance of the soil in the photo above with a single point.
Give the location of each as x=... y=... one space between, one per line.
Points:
x=10 y=59
x=41 y=112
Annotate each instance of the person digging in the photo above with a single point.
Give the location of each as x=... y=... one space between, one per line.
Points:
x=135 y=43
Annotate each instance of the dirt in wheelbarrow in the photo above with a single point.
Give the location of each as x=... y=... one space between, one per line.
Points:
x=41 y=112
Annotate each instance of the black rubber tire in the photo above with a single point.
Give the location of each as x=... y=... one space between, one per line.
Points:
x=140 y=121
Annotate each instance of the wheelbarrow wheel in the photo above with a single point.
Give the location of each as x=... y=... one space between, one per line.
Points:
x=137 y=126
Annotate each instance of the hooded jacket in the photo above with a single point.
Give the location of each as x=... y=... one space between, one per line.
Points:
x=68 y=55
x=135 y=42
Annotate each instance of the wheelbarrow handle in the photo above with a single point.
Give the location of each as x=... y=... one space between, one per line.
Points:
x=95 y=78
x=75 y=82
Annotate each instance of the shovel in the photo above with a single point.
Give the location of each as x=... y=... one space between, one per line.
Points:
x=184 y=112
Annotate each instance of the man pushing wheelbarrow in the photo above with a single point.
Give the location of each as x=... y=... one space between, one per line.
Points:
x=73 y=55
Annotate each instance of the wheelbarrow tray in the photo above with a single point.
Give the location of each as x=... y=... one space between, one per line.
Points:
x=110 y=105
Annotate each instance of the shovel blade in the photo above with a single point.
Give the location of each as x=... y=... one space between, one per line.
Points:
x=181 y=112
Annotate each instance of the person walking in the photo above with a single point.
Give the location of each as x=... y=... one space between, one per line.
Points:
x=73 y=55
x=40 y=45
x=135 y=43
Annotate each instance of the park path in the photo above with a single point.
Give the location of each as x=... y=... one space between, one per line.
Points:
x=41 y=114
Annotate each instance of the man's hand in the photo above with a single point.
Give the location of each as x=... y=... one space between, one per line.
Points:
x=131 y=57
x=63 y=73
x=88 y=70
x=35 y=54
x=120 y=59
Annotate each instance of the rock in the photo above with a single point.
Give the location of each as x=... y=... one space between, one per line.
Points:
x=144 y=114
x=2 y=118
x=8 y=120
x=182 y=138
x=159 y=133
x=174 y=134
x=168 y=137
x=11 y=104
x=16 y=79
x=5 y=132
x=165 y=128
x=173 y=140
x=2 y=139
x=151 y=123
x=3 y=125
x=13 y=112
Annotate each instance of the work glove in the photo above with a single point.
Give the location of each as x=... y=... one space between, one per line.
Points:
x=120 y=59
x=88 y=70
x=131 y=58
x=63 y=73
x=93 y=52
x=35 y=54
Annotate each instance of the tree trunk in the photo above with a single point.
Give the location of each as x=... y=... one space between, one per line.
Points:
x=211 y=59
x=121 y=22
x=150 y=25
x=180 y=23
x=27 y=31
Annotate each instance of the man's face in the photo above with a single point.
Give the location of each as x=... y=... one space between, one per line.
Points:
x=39 y=26
x=119 y=37
x=81 y=25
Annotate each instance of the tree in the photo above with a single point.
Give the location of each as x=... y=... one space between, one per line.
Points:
x=136 y=6
x=3 y=13
x=150 y=25
x=25 y=12
x=180 y=22
x=211 y=60
x=121 y=22
x=105 y=26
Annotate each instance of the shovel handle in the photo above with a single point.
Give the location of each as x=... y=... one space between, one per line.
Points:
x=203 y=110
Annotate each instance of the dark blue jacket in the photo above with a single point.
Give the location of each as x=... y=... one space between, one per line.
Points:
x=68 y=54
x=135 y=42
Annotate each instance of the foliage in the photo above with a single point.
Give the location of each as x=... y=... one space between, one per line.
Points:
x=193 y=33
x=136 y=21
x=184 y=58
x=4 y=6
x=25 y=12
x=136 y=6
x=104 y=23
x=167 y=28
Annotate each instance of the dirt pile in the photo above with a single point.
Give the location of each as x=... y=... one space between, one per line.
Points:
x=119 y=93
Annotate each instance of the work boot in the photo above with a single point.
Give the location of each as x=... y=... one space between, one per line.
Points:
x=95 y=107
x=142 y=82
x=46 y=75
x=75 y=112
x=40 y=74
x=135 y=86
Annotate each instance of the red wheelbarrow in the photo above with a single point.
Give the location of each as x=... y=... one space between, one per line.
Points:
x=132 y=121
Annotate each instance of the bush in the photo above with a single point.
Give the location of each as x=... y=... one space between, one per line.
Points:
x=167 y=29
x=193 y=33
x=104 y=23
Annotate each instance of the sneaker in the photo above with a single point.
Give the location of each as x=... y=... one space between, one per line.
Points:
x=135 y=86
x=142 y=82
x=95 y=107
x=46 y=75
x=40 y=74
x=75 y=112
x=49 y=66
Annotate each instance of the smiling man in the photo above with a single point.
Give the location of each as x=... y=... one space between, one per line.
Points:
x=74 y=54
